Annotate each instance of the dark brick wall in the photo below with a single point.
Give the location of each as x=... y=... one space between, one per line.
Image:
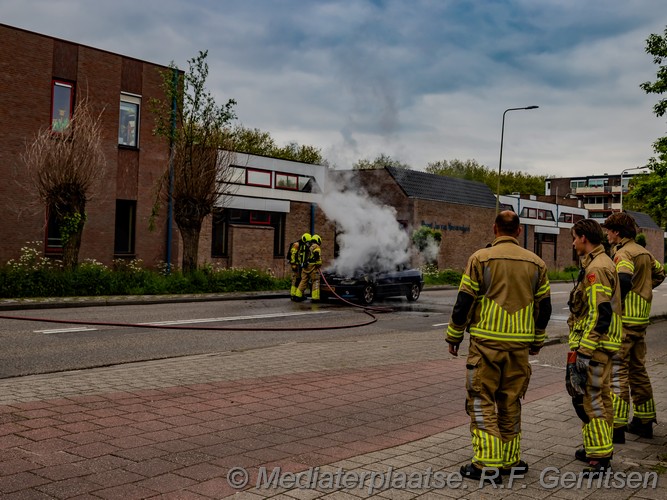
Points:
x=28 y=62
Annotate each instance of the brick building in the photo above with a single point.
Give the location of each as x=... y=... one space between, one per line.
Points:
x=273 y=201
x=42 y=78
x=464 y=212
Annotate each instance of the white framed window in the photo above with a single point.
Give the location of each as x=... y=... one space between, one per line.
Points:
x=128 y=124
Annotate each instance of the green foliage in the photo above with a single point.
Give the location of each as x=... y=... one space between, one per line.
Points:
x=422 y=236
x=71 y=224
x=510 y=181
x=380 y=161
x=649 y=193
x=432 y=276
x=641 y=239
x=257 y=142
x=34 y=276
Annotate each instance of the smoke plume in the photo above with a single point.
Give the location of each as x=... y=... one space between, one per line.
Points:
x=368 y=234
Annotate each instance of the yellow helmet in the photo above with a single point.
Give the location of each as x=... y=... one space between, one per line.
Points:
x=306 y=237
x=316 y=238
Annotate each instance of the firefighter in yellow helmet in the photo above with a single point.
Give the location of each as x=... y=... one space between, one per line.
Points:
x=296 y=257
x=311 y=270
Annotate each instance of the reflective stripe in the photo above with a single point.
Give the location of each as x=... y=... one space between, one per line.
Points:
x=466 y=280
x=512 y=451
x=626 y=264
x=597 y=438
x=621 y=410
x=645 y=411
x=497 y=324
x=488 y=449
x=636 y=309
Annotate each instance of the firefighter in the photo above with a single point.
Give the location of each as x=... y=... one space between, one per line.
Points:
x=295 y=257
x=595 y=336
x=504 y=302
x=311 y=270
x=638 y=272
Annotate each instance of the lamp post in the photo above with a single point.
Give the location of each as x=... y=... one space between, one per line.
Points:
x=622 y=173
x=500 y=162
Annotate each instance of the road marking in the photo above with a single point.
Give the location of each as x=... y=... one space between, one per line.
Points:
x=66 y=330
x=556 y=293
x=232 y=318
x=189 y=321
x=441 y=324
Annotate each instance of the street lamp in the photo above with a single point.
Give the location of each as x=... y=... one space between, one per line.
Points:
x=622 y=173
x=500 y=163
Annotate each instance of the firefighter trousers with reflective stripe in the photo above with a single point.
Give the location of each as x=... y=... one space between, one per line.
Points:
x=296 y=278
x=495 y=382
x=630 y=378
x=598 y=407
x=311 y=274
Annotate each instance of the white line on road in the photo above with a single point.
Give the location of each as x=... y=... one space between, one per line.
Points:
x=232 y=318
x=190 y=321
x=441 y=324
x=66 y=330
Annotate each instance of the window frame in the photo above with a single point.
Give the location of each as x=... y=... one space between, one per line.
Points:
x=289 y=187
x=131 y=235
x=60 y=83
x=135 y=100
x=250 y=171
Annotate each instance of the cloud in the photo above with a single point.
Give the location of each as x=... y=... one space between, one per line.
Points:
x=420 y=81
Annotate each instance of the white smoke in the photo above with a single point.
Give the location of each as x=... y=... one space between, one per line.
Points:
x=369 y=236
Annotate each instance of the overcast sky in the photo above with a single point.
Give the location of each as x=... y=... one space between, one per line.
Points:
x=419 y=80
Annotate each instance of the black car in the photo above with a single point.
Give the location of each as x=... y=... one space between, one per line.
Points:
x=368 y=286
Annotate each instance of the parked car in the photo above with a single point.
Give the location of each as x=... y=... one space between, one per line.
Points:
x=367 y=286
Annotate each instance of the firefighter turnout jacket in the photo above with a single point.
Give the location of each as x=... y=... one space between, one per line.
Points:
x=642 y=272
x=595 y=306
x=504 y=298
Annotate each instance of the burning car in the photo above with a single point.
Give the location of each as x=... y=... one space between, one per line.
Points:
x=368 y=286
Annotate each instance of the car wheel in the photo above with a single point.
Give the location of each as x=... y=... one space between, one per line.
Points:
x=413 y=292
x=368 y=295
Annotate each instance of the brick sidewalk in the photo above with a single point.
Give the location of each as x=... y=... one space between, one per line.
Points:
x=173 y=428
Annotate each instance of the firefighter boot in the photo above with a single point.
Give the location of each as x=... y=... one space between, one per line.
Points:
x=597 y=466
x=619 y=435
x=298 y=296
x=644 y=430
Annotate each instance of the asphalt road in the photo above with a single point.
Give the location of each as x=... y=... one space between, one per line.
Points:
x=31 y=346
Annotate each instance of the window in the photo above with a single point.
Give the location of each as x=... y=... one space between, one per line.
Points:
x=529 y=213
x=260 y=218
x=125 y=227
x=545 y=215
x=61 y=105
x=128 y=124
x=577 y=183
x=258 y=177
x=287 y=181
x=219 y=233
x=235 y=175
x=597 y=182
x=54 y=242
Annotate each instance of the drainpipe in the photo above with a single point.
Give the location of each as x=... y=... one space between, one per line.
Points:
x=312 y=218
x=170 y=206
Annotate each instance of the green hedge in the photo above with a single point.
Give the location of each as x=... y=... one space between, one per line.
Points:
x=35 y=276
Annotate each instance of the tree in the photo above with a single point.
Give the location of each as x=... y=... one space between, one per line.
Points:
x=471 y=170
x=201 y=161
x=649 y=192
x=65 y=167
x=382 y=160
x=257 y=142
